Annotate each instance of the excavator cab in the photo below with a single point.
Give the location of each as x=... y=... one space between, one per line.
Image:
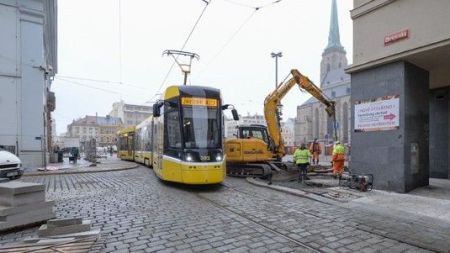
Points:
x=258 y=132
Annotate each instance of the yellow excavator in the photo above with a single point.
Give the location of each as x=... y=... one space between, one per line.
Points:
x=256 y=150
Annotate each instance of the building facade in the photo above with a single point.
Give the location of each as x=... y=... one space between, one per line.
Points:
x=130 y=114
x=312 y=120
x=400 y=71
x=288 y=132
x=103 y=129
x=231 y=124
x=28 y=63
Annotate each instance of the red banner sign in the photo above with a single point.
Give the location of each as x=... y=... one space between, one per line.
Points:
x=396 y=37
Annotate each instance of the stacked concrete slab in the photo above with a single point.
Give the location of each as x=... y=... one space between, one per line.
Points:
x=60 y=235
x=23 y=204
x=64 y=226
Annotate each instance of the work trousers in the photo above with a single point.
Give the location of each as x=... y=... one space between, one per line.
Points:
x=315 y=158
x=303 y=171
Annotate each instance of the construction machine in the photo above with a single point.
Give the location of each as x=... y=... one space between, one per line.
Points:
x=256 y=150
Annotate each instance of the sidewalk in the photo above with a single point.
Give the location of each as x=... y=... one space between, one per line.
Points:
x=111 y=163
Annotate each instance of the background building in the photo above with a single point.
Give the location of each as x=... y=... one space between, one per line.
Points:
x=103 y=129
x=231 y=124
x=28 y=63
x=400 y=71
x=312 y=120
x=288 y=134
x=131 y=115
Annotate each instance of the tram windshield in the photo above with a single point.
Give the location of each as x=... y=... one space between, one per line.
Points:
x=201 y=127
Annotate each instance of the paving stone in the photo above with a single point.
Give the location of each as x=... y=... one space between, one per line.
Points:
x=133 y=209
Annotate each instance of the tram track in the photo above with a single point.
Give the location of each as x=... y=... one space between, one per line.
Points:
x=256 y=195
x=251 y=220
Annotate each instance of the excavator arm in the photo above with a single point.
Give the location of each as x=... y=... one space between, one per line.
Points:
x=272 y=113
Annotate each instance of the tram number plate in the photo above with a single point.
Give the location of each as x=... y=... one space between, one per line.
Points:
x=205 y=157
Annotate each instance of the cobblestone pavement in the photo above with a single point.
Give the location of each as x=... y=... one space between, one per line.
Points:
x=138 y=213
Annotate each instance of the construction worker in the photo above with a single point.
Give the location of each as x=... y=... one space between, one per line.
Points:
x=316 y=150
x=301 y=159
x=338 y=159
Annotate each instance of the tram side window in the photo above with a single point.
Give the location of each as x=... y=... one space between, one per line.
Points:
x=173 y=134
x=148 y=142
x=123 y=145
x=137 y=141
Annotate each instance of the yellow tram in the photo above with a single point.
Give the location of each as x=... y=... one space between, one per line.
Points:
x=125 y=145
x=143 y=142
x=182 y=141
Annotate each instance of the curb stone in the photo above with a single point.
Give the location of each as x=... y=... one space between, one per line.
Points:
x=31 y=174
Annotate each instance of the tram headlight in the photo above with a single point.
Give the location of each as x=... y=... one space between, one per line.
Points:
x=219 y=157
x=188 y=157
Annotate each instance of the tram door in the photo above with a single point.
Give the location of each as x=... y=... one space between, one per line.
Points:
x=130 y=145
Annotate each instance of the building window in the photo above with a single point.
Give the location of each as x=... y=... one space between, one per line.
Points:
x=349 y=90
x=333 y=94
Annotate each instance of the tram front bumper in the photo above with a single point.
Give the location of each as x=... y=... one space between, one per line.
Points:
x=203 y=176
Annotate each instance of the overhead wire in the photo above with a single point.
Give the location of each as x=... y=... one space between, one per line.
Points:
x=185 y=43
x=100 y=81
x=120 y=41
x=231 y=38
x=90 y=86
x=252 y=6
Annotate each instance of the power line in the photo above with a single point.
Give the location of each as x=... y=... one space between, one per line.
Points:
x=230 y=39
x=120 y=41
x=87 y=86
x=252 y=6
x=92 y=87
x=184 y=44
x=100 y=81
x=255 y=9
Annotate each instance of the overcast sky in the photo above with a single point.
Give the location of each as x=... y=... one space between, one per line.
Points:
x=89 y=48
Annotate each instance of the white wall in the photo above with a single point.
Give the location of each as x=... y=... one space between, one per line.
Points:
x=23 y=84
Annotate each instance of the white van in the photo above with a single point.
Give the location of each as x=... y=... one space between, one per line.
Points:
x=10 y=165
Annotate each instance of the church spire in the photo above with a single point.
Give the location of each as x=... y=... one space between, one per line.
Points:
x=334 y=40
x=334 y=55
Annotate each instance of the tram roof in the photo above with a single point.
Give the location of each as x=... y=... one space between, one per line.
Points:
x=126 y=130
x=191 y=91
x=147 y=121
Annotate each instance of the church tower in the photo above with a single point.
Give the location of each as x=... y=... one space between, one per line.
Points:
x=334 y=55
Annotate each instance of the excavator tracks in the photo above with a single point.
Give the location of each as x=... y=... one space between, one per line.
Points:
x=248 y=170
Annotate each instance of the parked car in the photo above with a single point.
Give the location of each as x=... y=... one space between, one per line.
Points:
x=10 y=165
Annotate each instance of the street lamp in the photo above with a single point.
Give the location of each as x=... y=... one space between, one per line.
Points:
x=276 y=56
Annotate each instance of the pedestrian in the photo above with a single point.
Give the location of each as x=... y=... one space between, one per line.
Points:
x=315 y=150
x=338 y=159
x=301 y=159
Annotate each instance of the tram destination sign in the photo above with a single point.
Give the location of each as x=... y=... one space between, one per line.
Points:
x=379 y=114
x=196 y=101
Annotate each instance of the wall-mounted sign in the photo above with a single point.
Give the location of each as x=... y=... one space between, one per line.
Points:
x=378 y=114
x=396 y=37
